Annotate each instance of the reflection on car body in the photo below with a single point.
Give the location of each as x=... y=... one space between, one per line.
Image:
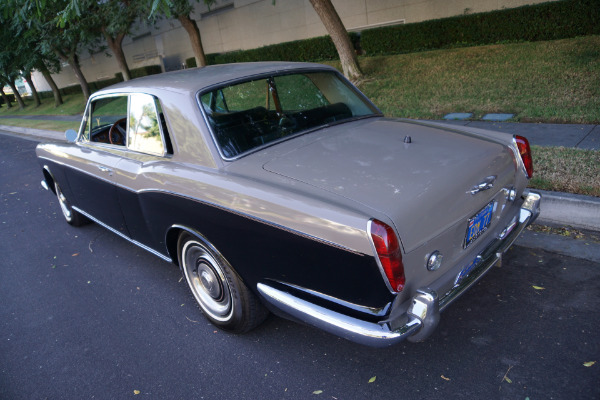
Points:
x=280 y=187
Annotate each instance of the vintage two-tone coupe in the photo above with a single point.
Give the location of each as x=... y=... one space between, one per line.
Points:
x=280 y=187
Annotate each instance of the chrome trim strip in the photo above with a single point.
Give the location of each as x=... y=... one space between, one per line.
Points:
x=379 y=312
x=143 y=246
x=356 y=330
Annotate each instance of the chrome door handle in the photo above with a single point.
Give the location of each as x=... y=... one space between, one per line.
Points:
x=105 y=169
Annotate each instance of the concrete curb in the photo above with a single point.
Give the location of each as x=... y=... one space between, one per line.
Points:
x=37 y=133
x=578 y=211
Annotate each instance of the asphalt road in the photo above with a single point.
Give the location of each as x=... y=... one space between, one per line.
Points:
x=86 y=315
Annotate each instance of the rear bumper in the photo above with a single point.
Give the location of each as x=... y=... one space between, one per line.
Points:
x=423 y=314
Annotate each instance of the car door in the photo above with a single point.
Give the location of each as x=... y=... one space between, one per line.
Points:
x=93 y=160
x=138 y=175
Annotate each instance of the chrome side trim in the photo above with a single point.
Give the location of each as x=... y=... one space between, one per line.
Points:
x=143 y=246
x=367 y=333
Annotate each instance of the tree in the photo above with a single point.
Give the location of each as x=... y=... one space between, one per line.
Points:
x=43 y=68
x=42 y=19
x=5 y=97
x=9 y=59
x=182 y=10
x=112 y=18
x=340 y=38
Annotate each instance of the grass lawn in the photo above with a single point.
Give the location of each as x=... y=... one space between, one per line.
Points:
x=554 y=81
x=73 y=104
x=566 y=170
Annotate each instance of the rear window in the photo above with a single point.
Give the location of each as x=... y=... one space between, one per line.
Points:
x=247 y=115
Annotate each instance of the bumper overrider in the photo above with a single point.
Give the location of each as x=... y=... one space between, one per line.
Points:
x=423 y=314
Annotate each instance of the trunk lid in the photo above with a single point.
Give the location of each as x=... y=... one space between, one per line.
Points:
x=423 y=186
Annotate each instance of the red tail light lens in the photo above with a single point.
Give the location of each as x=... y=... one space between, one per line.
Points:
x=388 y=251
x=525 y=151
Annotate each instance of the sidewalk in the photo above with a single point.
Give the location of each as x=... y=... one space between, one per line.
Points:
x=564 y=209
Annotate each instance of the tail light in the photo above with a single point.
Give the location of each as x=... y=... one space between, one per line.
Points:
x=388 y=251
x=525 y=152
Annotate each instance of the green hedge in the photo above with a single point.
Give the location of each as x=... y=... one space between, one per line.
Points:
x=11 y=98
x=314 y=49
x=545 y=21
x=139 y=72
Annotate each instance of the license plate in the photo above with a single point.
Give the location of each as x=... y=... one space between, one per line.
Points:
x=479 y=224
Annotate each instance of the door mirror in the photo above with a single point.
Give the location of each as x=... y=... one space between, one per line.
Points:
x=71 y=135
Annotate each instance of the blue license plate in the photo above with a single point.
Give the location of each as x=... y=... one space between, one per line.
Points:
x=479 y=224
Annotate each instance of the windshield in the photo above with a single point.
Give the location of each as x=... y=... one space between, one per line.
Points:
x=247 y=115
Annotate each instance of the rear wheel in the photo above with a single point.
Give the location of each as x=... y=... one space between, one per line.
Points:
x=219 y=291
x=71 y=216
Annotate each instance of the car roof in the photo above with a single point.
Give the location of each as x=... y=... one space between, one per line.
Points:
x=190 y=81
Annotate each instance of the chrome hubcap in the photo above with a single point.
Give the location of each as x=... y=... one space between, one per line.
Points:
x=207 y=281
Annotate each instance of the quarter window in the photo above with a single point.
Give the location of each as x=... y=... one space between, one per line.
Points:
x=144 y=126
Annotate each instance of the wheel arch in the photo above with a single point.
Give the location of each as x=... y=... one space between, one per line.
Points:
x=49 y=178
x=172 y=239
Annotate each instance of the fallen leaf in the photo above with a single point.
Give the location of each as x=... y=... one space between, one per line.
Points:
x=589 y=363
x=75 y=255
x=444 y=378
x=538 y=288
x=317 y=392
x=507 y=379
x=372 y=379
x=136 y=392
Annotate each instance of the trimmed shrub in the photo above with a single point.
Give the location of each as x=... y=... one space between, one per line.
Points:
x=139 y=72
x=314 y=49
x=546 y=21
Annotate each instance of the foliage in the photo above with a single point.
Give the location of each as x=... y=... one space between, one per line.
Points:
x=315 y=49
x=139 y=72
x=546 y=21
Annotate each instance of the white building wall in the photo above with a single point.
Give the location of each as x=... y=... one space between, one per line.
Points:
x=248 y=24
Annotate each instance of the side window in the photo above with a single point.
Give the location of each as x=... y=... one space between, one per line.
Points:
x=144 y=125
x=107 y=120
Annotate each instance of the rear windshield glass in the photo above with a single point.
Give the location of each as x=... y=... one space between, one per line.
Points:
x=247 y=115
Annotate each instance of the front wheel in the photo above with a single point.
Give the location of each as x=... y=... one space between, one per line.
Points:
x=71 y=216
x=218 y=290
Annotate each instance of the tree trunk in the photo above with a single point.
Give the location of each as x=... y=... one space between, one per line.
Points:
x=115 y=45
x=4 y=96
x=36 y=96
x=73 y=62
x=55 y=90
x=12 y=85
x=191 y=27
x=340 y=38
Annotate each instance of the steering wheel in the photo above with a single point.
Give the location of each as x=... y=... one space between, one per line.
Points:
x=117 y=134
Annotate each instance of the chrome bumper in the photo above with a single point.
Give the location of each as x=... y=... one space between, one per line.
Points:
x=423 y=314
